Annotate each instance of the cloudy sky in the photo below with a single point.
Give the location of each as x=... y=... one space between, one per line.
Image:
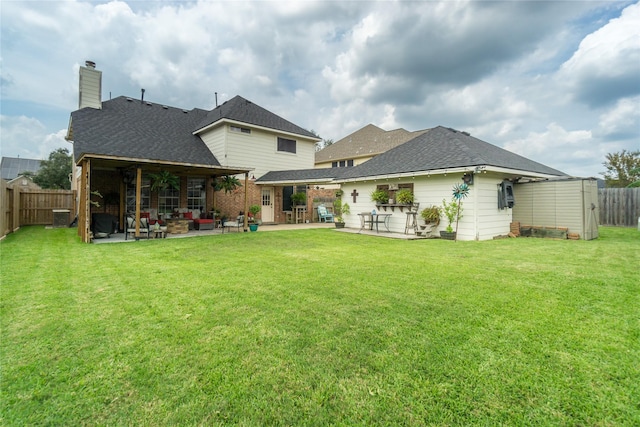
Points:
x=555 y=81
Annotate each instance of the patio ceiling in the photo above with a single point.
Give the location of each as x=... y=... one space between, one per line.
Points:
x=149 y=165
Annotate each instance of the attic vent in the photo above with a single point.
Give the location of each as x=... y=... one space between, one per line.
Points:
x=185 y=111
x=465 y=133
x=130 y=99
x=149 y=104
x=165 y=107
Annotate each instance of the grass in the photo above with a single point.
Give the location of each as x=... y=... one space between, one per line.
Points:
x=316 y=327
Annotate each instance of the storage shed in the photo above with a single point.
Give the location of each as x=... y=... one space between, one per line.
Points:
x=565 y=202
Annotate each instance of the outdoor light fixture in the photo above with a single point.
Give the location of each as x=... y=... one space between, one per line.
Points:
x=467 y=178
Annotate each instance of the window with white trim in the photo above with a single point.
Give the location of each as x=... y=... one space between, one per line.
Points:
x=145 y=195
x=240 y=129
x=196 y=193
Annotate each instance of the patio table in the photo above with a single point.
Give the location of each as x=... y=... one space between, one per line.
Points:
x=374 y=218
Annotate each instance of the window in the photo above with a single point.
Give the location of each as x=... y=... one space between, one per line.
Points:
x=394 y=188
x=145 y=195
x=342 y=163
x=196 y=194
x=241 y=130
x=286 y=145
x=168 y=200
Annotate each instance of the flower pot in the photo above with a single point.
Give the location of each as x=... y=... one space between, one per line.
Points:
x=448 y=235
x=339 y=224
x=253 y=227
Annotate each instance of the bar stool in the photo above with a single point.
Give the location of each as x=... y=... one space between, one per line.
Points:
x=412 y=220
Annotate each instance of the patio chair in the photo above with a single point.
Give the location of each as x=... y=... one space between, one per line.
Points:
x=131 y=227
x=238 y=223
x=324 y=215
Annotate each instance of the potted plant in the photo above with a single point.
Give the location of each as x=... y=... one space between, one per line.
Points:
x=253 y=211
x=298 y=199
x=450 y=210
x=404 y=197
x=453 y=210
x=431 y=215
x=340 y=210
x=380 y=196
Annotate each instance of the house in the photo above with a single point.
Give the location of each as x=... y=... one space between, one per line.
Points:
x=362 y=145
x=17 y=171
x=119 y=144
x=430 y=165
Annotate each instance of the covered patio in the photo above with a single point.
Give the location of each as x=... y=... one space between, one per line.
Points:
x=103 y=184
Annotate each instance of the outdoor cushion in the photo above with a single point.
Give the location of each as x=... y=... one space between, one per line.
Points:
x=187 y=215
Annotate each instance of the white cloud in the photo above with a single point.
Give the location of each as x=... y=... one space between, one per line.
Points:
x=27 y=137
x=606 y=66
x=333 y=66
x=559 y=147
x=622 y=119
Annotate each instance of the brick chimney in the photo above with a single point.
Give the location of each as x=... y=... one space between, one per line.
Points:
x=90 y=86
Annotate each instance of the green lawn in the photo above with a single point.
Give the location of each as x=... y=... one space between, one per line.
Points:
x=317 y=327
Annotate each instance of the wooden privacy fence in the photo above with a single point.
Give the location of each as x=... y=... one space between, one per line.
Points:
x=21 y=207
x=619 y=206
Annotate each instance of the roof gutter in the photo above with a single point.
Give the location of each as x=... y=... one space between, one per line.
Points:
x=474 y=169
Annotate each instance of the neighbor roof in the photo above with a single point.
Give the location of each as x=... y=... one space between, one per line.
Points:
x=128 y=128
x=368 y=141
x=242 y=110
x=12 y=167
x=443 y=148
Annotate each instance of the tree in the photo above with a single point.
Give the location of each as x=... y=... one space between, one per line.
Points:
x=623 y=168
x=54 y=173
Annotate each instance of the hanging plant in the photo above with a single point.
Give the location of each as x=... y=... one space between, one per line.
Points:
x=226 y=183
x=163 y=180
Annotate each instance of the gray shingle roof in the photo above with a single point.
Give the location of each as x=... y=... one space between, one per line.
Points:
x=242 y=110
x=302 y=175
x=442 y=148
x=11 y=167
x=142 y=130
x=368 y=141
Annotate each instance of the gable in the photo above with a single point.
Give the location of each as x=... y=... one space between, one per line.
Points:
x=240 y=110
x=444 y=148
x=366 y=142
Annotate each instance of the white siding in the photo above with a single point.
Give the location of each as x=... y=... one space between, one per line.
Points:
x=257 y=150
x=481 y=218
x=90 y=88
x=214 y=139
x=491 y=221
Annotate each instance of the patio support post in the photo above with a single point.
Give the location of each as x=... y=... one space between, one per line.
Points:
x=246 y=202
x=85 y=206
x=138 y=197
